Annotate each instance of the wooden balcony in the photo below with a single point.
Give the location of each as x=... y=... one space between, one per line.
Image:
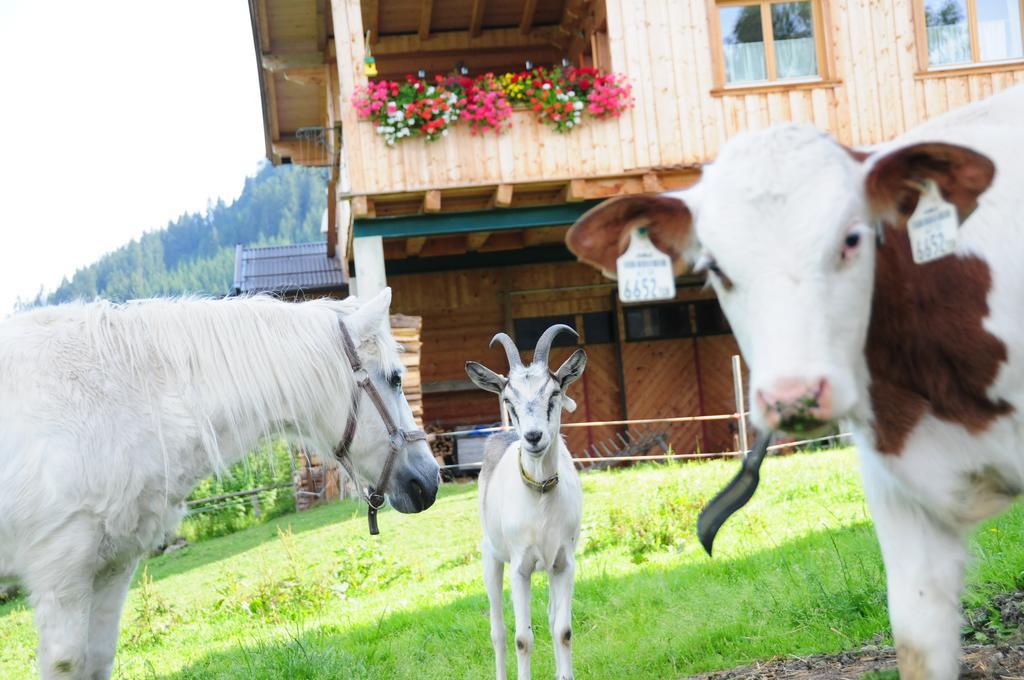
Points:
x=529 y=164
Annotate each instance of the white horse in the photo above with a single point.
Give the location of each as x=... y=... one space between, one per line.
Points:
x=110 y=414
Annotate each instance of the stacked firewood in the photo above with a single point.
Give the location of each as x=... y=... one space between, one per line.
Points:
x=317 y=481
x=441 y=446
x=406 y=330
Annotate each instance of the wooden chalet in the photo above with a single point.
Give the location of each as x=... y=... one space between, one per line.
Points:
x=468 y=230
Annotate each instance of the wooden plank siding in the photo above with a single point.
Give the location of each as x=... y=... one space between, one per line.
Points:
x=462 y=310
x=873 y=90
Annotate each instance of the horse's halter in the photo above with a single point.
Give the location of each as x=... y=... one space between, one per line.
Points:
x=397 y=437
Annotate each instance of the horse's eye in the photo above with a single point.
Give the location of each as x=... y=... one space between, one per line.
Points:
x=850 y=244
x=395 y=381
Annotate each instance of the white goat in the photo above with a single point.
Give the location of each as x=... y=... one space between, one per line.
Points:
x=112 y=413
x=530 y=498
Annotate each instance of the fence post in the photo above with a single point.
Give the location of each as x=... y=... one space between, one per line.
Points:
x=504 y=412
x=737 y=386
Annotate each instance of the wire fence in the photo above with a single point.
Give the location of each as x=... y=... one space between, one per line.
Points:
x=214 y=503
x=656 y=457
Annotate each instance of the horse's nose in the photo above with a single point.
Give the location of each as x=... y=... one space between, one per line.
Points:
x=423 y=494
x=533 y=437
x=791 y=400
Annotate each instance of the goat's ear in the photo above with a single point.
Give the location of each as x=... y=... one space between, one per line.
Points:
x=371 y=317
x=602 y=234
x=485 y=378
x=961 y=174
x=570 y=371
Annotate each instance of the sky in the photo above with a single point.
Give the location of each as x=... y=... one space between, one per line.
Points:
x=116 y=116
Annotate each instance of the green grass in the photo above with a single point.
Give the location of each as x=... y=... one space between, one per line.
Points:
x=312 y=596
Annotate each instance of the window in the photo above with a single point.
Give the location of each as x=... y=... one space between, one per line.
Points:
x=528 y=331
x=657 y=322
x=675 y=320
x=769 y=41
x=963 y=32
x=598 y=328
x=710 y=318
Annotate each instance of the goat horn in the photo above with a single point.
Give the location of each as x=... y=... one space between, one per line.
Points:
x=510 y=349
x=540 y=355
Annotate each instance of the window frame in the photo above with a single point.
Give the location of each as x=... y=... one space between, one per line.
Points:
x=819 y=20
x=975 y=64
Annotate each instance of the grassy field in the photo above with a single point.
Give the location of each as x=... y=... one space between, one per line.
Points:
x=311 y=596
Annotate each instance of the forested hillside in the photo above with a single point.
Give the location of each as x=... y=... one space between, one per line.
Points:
x=195 y=253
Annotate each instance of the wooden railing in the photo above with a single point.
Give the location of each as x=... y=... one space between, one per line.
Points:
x=529 y=152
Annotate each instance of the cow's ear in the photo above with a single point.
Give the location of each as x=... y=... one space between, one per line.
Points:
x=602 y=233
x=893 y=180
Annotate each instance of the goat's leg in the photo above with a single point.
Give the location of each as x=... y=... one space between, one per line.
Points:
x=924 y=565
x=560 y=585
x=519 y=578
x=60 y=587
x=109 y=590
x=493 y=569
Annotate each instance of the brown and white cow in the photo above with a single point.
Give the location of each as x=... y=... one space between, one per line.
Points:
x=925 y=362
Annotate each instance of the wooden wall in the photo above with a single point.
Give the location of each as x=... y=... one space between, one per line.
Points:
x=873 y=92
x=462 y=310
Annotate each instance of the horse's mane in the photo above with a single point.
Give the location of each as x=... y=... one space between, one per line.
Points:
x=243 y=367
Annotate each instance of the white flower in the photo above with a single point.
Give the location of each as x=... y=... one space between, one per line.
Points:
x=547 y=86
x=571 y=93
x=444 y=133
x=578 y=106
x=430 y=90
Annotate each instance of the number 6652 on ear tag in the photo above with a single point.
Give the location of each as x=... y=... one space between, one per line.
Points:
x=644 y=272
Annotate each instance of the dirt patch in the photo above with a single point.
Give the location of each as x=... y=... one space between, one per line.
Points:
x=979 y=661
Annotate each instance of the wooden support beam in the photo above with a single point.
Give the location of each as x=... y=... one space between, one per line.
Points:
x=362 y=206
x=315 y=75
x=504 y=240
x=529 y=10
x=426 y=10
x=476 y=20
x=575 y=190
x=332 y=214
x=272 y=115
x=292 y=60
x=452 y=43
x=476 y=240
x=440 y=246
x=503 y=195
x=414 y=244
x=652 y=183
x=263 y=18
x=321 y=25
x=432 y=201
x=373 y=14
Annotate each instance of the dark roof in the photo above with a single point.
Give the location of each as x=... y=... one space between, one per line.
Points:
x=303 y=267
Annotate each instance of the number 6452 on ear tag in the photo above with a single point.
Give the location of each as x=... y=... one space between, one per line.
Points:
x=644 y=272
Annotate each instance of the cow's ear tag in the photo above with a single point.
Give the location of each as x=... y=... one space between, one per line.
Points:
x=933 y=226
x=644 y=272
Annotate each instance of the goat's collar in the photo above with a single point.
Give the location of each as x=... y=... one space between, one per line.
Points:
x=540 y=487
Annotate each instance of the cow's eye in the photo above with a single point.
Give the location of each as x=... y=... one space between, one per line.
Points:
x=712 y=266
